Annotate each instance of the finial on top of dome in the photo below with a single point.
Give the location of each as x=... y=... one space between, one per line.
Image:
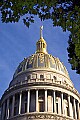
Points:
x=41 y=35
x=41 y=43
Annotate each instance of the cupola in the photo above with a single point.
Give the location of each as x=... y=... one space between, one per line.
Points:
x=41 y=43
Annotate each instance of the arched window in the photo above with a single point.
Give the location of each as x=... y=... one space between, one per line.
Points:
x=43 y=45
x=41 y=76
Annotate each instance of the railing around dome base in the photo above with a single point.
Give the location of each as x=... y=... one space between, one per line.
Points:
x=42 y=116
x=44 y=81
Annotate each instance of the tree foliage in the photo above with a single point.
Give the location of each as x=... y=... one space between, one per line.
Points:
x=64 y=13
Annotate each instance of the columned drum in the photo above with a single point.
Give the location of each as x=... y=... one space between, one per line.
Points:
x=41 y=89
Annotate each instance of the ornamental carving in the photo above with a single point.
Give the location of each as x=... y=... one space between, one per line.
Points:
x=47 y=116
x=31 y=59
x=51 y=58
x=41 y=58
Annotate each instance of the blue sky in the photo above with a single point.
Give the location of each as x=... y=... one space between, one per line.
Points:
x=17 y=42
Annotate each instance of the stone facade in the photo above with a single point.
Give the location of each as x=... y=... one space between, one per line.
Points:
x=41 y=89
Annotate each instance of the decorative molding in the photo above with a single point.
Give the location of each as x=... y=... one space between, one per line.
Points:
x=43 y=116
x=26 y=83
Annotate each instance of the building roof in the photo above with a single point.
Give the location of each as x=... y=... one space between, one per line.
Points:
x=41 y=59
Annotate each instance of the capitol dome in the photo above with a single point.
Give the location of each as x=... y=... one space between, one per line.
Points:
x=42 y=60
x=41 y=89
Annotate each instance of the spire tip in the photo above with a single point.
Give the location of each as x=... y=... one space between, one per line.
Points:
x=41 y=28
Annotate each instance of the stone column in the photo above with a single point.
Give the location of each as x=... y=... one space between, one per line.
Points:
x=62 y=99
x=54 y=96
x=75 y=115
x=7 y=110
x=20 y=100
x=36 y=100
x=45 y=100
x=69 y=105
x=28 y=100
x=52 y=102
x=78 y=110
x=3 y=112
x=59 y=108
x=13 y=102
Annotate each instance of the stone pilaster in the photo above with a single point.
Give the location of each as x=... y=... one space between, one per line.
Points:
x=7 y=110
x=20 y=100
x=28 y=101
x=62 y=99
x=54 y=101
x=78 y=110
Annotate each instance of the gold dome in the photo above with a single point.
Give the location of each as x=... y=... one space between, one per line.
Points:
x=41 y=60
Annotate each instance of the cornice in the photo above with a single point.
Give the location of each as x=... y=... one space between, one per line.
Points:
x=32 y=85
x=42 y=115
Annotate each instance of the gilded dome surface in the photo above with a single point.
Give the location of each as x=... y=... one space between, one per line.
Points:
x=41 y=60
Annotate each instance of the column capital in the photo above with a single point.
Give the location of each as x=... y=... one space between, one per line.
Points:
x=54 y=90
x=36 y=89
x=45 y=88
x=21 y=91
x=28 y=90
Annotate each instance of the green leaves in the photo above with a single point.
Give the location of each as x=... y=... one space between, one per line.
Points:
x=74 y=52
x=56 y=10
x=28 y=21
x=64 y=13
